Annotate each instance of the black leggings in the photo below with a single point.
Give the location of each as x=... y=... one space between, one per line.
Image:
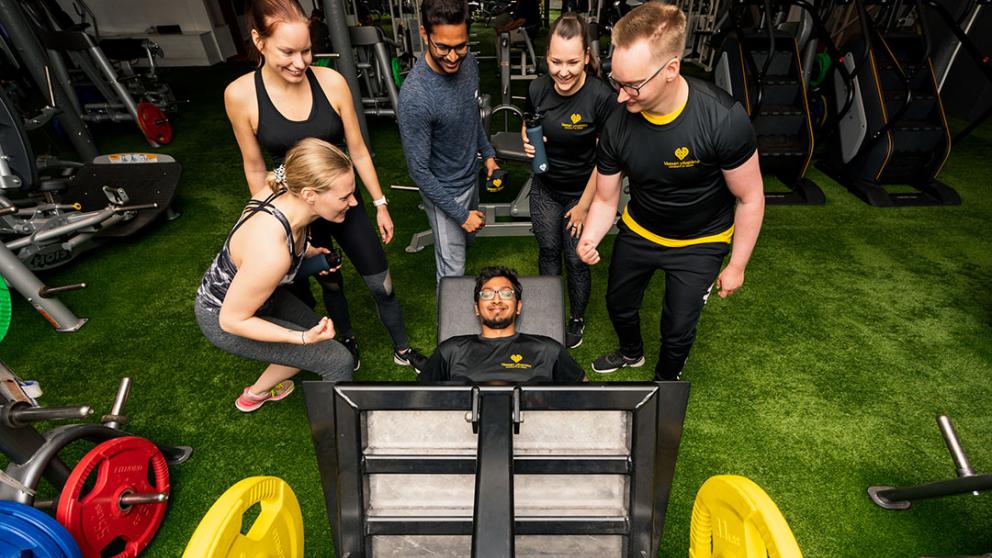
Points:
x=547 y=214
x=689 y=274
x=359 y=241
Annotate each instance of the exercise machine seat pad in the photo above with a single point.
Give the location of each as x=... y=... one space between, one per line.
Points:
x=543 y=311
x=509 y=146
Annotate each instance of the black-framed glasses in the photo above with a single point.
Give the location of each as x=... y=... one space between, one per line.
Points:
x=506 y=293
x=635 y=90
x=444 y=50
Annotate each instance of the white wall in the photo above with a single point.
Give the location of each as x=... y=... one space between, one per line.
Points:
x=136 y=16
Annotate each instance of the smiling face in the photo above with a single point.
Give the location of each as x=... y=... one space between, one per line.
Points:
x=286 y=50
x=567 y=60
x=333 y=203
x=447 y=46
x=498 y=313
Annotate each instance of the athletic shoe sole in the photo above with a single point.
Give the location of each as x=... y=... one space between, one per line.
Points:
x=400 y=360
x=635 y=364
x=575 y=345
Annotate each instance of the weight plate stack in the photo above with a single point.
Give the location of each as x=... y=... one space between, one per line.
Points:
x=29 y=533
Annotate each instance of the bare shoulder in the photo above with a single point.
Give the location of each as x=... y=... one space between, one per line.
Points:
x=261 y=238
x=240 y=93
x=329 y=76
x=332 y=83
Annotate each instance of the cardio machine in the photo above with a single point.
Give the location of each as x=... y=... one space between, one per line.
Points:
x=896 y=132
x=760 y=65
x=51 y=213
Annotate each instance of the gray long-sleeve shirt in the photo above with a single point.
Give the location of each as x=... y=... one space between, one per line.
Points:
x=442 y=132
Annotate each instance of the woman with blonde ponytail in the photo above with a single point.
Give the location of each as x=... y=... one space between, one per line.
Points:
x=242 y=305
x=285 y=100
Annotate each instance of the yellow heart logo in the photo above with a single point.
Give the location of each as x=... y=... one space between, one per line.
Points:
x=516 y=358
x=681 y=152
x=575 y=118
x=497 y=182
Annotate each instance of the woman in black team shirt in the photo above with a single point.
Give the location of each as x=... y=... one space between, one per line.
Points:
x=286 y=100
x=575 y=105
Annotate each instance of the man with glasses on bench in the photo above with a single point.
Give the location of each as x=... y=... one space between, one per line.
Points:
x=500 y=354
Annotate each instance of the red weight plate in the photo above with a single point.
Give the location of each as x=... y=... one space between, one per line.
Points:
x=154 y=124
x=96 y=519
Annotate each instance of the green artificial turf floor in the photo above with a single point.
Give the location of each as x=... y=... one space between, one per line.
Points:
x=855 y=327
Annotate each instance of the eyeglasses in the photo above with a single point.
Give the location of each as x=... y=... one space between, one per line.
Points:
x=444 y=50
x=506 y=293
x=635 y=90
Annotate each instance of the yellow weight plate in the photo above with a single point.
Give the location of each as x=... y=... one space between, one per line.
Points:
x=734 y=518
x=277 y=531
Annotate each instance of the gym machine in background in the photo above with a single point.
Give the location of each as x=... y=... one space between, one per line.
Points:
x=760 y=65
x=51 y=214
x=896 y=132
x=98 y=74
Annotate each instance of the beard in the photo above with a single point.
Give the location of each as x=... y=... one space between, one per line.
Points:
x=500 y=324
x=442 y=61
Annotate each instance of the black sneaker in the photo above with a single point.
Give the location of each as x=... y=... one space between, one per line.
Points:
x=352 y=345
x=573 y=332
x=615 y=361
x=410 y=357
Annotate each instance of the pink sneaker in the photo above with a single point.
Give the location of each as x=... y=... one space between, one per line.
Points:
x=249 y=402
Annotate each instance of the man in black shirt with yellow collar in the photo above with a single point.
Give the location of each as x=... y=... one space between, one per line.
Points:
x=500 y=353
x=690 y=153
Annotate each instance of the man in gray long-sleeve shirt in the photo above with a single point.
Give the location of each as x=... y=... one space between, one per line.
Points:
x=442 y=132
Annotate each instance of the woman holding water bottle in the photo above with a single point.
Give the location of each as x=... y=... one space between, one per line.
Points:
x=566 y=109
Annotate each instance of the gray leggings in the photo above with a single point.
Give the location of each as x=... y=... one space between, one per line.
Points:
x=328 y=358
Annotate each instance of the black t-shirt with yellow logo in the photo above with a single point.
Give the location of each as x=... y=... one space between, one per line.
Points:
x=677 y=190
x=519 y=358
x=572 y=125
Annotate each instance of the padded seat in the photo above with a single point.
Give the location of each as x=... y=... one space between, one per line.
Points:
x=509 y=146
x=543 y=312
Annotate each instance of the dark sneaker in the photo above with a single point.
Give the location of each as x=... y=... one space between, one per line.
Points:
x=352 y=345
x=615 y=361
x=573 y=332
x=410 y=357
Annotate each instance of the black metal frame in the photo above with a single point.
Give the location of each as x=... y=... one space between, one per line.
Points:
x=337 y=416
x=901 y=498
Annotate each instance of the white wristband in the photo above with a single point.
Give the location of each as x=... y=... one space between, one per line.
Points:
x=380 y=202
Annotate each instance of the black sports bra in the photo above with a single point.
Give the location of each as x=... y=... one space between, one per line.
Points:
x=277 y=134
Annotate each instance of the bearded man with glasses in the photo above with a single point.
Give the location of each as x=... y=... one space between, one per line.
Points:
x=696 y=192
x=500 y=354
x=442 y=133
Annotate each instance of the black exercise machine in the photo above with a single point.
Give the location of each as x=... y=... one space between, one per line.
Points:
x=760 y=65
x=896 y=132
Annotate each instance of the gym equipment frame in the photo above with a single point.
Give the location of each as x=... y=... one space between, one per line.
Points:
x=373 y=487
x=892 y=498
x=33 y=455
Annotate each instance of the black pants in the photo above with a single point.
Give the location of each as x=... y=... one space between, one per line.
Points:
x=359 y=240
x=547 y=215
x=689 y=273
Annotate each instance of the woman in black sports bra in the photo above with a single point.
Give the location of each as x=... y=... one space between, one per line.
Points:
x=286 y=100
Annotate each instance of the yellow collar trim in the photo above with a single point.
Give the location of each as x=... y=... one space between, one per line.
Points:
x=724 y=237
x=662 y=119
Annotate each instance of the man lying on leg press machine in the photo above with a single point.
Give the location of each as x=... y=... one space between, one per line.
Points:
x=500 y=353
